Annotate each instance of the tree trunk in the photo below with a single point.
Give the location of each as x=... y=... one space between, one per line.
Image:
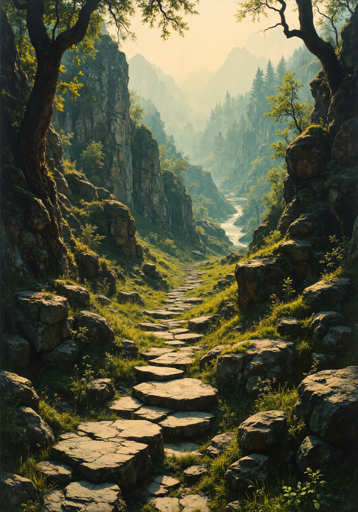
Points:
x=32 y=148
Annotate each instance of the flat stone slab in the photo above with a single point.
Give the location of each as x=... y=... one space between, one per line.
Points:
x=132 y=430
x=193 y=300
x=152 y=413
x=155 y=352
x=56 y=472
x=201 y=323
x=181 y=394
x=161 y=314
x=125 y=407
x=149 y=373
x=115 y=460
x=174 y=343
x=186 y=424
x=162 y=485
x=179 y=331
x=174 y=359
x=176 y=323
x=193 y=502
x=151 y=327
x=162 y=335
x=189 y=337
x=84 y=496
x=194 y=473
x=166 y=504
x=180 y=449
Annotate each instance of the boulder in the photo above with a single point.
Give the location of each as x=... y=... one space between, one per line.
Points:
x=22 y=388
x=307 y=155
x=337 y=338
x=252 y=468
x=124 y=297
x=194 y=473
x=63 y=356
x=39 y=306
x=56 y=472
x=103 y=300
x=101 y=389
x=288 y=326
x=257 y=280
x=150 y=270
x=323 y=321
x=210 y=356
x=219 y=443
x=300 y=252
x=331 y=291
x=328 y=403
x=16 y=349
x=166 y=504
x=306 y=225
x=181 y=394
x=37 y=431
x=74 y=294
x=85 y=496
x=129 y=348
x=160 y=373
x=201 y=323
x=314 y=453
x=66 y=327
x=250 y=360
x=89 y=265
x=262 y=431
x=185 y=424
x=15 y=490
x=98 y=328
x=46 y=337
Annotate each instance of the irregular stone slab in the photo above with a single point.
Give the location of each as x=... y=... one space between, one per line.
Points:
x=56 y=472
x=162 y=335
x=192 y=300
x=152 y=413
x=16 y=349
x=129 y=348
x=180 y=394
x=98 y=329
x=266 y=359
x=126 y=406
x=148 y=373
x=219 y=443
x=193 y=502
x=75 y=294
x=316 y=454
x=213 y=354
x=322 y=322
x=166 y=504
x=288 y=326
x=192 y=337
x=194 y=473
x=152 y=327
x=124 y=297
x=156 y=490
x=248 y=469
x=85 y=496
x=133 y=430
x=101 y=389
x=262 y=431
x=161 y=314
x=202 y=323
x=155 y=352
x=175 y=343
x=186 y=424
x=102 y=299
x=37 y=431
x=20 y=387
x=180 y=449
x=15 y=490
x=328 y=403
x=174 y=359
x=331 y=291
x=64 y=355
x=170 y=482
x=174 y=323
x=115 y=460
x=179 y=331
x=337 y=338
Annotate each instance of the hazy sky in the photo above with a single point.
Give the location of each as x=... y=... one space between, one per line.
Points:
x=213 y=33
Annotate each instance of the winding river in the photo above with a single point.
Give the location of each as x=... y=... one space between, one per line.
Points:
x=232 y=231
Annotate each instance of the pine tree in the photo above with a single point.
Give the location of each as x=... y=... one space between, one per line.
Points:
x=257 y=90
x=281 y=69
x=270 y=79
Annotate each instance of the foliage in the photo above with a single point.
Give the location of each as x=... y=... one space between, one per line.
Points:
x=90 y=237
x=136 y=111
x=272 y=238
x=338 y=255
x=309 y=496
x=92 y=160
x=12 y=431
x=172 y=162
x=287 y=289
x=273 y=200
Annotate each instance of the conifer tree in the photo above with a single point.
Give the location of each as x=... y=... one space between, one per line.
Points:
x=270 y=79
x=281 y=69
x=257 y=90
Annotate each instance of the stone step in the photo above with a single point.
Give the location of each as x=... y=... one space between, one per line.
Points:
x=189 y=337
x=181 y=448
x=174 y=359
x=175 y=343
x=162 y=335
x=157 y=373
x=181 y=394
x=179 y=330
x=184 y=424
x=154 y=352
x=152 y=413
x=152 y=327
x=125 y=407
x=161 y=314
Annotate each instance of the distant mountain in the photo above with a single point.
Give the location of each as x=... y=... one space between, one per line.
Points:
x=170 y=84
x=196 y=80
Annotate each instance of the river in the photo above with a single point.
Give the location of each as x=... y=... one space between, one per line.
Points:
x=232 y=231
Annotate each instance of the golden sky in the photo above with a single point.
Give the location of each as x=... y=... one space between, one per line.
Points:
x=212 y=35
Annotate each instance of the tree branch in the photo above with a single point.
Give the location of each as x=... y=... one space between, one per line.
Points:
x=331 y=19
x=20 y=6
x=57 y=21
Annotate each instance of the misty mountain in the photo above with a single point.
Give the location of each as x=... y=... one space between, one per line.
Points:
x=196 y=80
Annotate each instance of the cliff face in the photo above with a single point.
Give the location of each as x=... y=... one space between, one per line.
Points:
x=102 y=114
